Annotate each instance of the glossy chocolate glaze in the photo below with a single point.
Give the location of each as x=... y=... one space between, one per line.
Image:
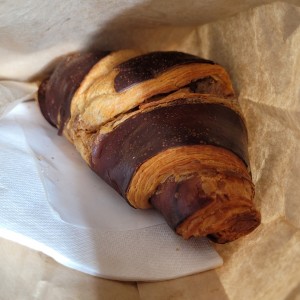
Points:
x=55 y=93
x=178 y=200
x=149 y=66
x=118 y=154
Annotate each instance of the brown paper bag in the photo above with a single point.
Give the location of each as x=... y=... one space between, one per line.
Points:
x=260 y=47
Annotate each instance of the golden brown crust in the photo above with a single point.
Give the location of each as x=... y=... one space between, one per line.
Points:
x=96 y=104
x=101 y=103
x=80 y=136
x=180 y=163
x=195 y=172
x=212 y=182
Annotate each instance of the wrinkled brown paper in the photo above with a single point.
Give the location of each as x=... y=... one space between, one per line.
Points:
x=261 y=50
x=260 y=47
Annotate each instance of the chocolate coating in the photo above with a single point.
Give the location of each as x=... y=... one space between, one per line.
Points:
x=118 y=154
x=149 y=66
x=178 y=200
x=55 y=93
x=42 y=101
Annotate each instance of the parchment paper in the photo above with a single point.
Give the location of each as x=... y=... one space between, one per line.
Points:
x=260 y=47
x=261 y=50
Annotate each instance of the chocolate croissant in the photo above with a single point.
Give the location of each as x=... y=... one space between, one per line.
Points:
x=164 y=130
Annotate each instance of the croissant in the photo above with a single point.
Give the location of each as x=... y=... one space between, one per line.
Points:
x=165 y=130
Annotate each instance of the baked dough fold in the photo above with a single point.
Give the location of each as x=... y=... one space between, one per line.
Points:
x=165 y=130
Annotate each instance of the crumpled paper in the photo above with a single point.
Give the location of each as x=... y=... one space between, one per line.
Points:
x=260 y=49
x=13 y=93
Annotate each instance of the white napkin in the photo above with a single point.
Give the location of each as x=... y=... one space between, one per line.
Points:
x=40 y=209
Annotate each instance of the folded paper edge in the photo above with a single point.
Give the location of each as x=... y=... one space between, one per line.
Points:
x=61 y=259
